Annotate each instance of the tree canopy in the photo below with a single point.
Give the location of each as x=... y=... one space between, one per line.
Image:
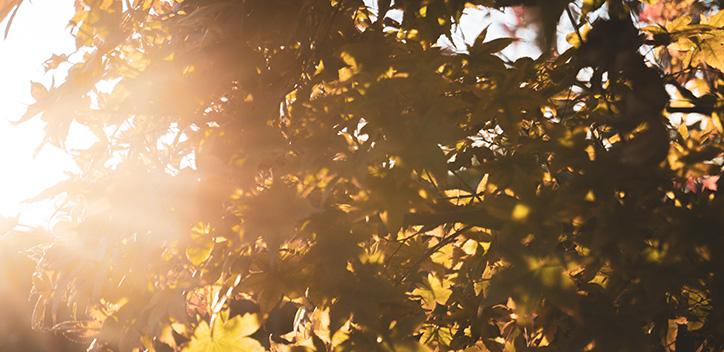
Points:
x=329 y=175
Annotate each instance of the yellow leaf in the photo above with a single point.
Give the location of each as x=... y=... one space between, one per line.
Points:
x=470 y=247
x=458 y=196
x=423 y=11
x=590 y=196
x=203 y=244
x=435 y=292
x=246 y=324
x=339 y=337
x=439 y=289
x=711 y=52
x=573 y=39
x=428 y=299
x=482 y=186
x=683 y=131
x=345 y=73
x=198 y=254
x=227 y=335
x=348 y=59
x=715 y=20
x=320 y=68
x=520 y=212
x=444 y=256
x=678 y=24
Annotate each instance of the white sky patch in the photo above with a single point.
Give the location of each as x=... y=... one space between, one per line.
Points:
x=38 y=31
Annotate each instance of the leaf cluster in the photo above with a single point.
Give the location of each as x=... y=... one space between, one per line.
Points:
x=318 y=175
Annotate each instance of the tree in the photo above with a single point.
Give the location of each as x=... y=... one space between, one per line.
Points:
x=320 y=175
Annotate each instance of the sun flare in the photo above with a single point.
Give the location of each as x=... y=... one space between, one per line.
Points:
x=38 y=31
x=361 y=175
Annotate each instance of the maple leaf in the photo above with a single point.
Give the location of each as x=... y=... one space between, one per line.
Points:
x=226 y=335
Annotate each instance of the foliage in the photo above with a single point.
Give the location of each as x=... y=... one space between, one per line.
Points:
x=356 y=186
x=227 y=335
x=15 y=282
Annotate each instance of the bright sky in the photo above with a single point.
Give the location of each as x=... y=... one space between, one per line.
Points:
x=38 y=31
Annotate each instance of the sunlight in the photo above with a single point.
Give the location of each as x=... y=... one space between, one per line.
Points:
x=38 y=31
x=371 y=175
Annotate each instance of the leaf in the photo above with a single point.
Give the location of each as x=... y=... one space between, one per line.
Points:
x=345 y=73
x=202 y=246
x=227 y=335
x=199 y=253
x=591 y=5
x=492 y=46
x=573 y=38
x=78 y=331
x=38 y=91
x=54 y=61
x=332 y=160
x=711 y=52
x=441 y=293
x=520 y=212
x=246 y=324
x=482 y=185
x=480 y=39
x=715 y=20
x=436 y=292
x=678 y=24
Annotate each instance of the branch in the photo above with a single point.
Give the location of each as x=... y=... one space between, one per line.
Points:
x=474 y=216
x=704 y=110
x=574 y=24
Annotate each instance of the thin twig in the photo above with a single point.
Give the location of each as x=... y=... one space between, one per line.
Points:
x=12 y=17
x=573 y=23
x=469 y=188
